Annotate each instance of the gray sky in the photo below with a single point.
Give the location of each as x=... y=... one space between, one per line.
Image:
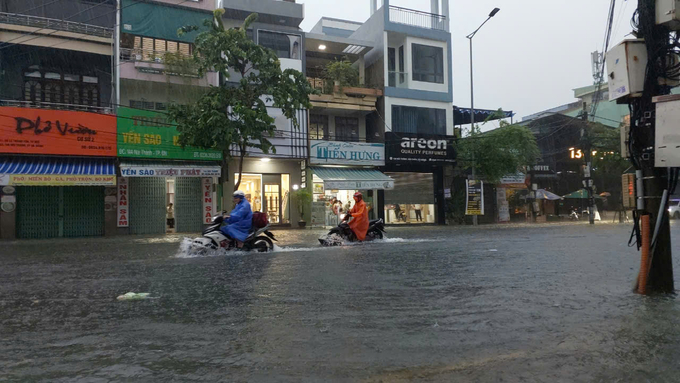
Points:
x=527 y=58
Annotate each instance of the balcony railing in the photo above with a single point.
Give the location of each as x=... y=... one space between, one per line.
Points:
x=418 y=19
x=56 y=106
x=398 y=79
x=60 y=25
x=138 y=55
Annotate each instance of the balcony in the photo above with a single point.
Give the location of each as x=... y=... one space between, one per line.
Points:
x=56 y=106
x=348 y=98
x=149 y=65
x=398 y=79
x=418 y=19
x=55 y=24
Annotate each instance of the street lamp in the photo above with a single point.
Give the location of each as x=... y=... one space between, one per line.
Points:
x=472 y=92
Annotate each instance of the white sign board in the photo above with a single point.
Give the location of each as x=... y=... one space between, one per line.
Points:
x=513 y=179
x=123 y=217
x=208 y=210
x=503 y=207
x=359 y=185
x=346 y=153
x=169 y=171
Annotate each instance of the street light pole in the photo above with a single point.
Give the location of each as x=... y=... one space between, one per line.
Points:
x=472 y=95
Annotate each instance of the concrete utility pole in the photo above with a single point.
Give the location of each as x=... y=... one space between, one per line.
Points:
x=643 y=127
x=588 y=155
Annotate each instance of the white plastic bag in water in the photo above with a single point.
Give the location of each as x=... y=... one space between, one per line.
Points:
x=133 y=296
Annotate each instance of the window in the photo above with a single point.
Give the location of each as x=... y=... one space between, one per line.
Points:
x=408 y=119
x=428 y=63
x=54 y=86
x=318 y=127
x=286 y=46
x=346 y=128
x=148 y=105
x=150 y=49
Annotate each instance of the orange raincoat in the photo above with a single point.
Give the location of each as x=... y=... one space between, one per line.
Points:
x=359 y=224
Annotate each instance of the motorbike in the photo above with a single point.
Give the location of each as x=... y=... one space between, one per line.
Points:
x=260 y=238
x=342 y=233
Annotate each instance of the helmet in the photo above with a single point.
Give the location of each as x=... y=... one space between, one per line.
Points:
x=239 y=194
x=358 y=195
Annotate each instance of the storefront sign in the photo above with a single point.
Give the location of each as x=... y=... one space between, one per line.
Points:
x=474 y=198
x=169 y=171
x=61 y=180
x=46 y=131
x=4 y=179
x=418 y=148
x=208 y=210
x=503 y=207
x=123 y=206
x=346 y=153
x=318 y=214
x=359 y=185
x=148 y=134
x=517 y=179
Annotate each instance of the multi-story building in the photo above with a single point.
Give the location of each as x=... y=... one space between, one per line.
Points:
x=168 y=188
x=408 y=59
x=57 y=130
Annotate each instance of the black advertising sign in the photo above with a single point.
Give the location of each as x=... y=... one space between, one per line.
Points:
x=409 y=148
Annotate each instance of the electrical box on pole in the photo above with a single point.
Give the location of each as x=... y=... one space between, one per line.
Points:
x=668 y=13
x=626 y=68
x=667 y=138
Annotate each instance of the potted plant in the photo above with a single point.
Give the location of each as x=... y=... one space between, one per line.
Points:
x=303 y=197
x=341 y=73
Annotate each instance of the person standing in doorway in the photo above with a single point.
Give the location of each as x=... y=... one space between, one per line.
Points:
x=419 y=212
x=170 y=215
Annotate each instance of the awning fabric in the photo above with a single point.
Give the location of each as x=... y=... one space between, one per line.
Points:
x=65 y=166
x=546 y=195
x=65 y=171
x=141 y=19
x=353 y=179
x=579 y=194
x=168 y=169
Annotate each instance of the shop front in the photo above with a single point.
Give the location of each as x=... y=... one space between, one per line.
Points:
x=416 y=163
x=46 y=191
x=340 y=169
x=164 y=188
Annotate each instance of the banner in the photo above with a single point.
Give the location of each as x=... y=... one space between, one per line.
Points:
x=123 y=216
x=346 y=153
x=407 y=148
x=169 y=171
x=359 y=185
x=208 y=210
x=148 y=134
x=474 y=198
x=503 y=207
x=61 y=132
x=61 y=180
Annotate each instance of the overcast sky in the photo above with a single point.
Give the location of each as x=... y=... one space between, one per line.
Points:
x=528 y=58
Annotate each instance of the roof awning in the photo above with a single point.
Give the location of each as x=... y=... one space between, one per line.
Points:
x=168 y=169
x=353 y=179
x=40 y=171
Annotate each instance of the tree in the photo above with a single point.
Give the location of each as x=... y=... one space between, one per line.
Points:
x=233 y=117
x=497 y=153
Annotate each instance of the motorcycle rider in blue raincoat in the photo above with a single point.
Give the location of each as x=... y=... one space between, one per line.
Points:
x=240 y=220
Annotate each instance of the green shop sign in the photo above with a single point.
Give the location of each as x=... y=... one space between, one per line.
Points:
x=148 y=134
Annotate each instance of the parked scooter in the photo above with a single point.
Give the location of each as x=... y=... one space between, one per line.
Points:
x=342 y=233
x=260 y=238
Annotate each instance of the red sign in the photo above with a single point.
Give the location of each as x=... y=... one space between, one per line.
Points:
x=46 y=131
x=208 y=212
x=123 y=205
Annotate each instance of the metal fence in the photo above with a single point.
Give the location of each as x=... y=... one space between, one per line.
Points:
x=60 y=25
x=418 y=18
x=56 y=106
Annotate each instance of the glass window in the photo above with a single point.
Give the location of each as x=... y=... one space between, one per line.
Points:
x=318 y=127
x=428 y=63
x=251 y=184
x=408 y=119
x=285 y=198
x=286 y=46
x=346 y=128
x=411 y=200
x=53 y=76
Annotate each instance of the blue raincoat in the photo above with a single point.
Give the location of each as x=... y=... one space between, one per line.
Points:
x=240 y=221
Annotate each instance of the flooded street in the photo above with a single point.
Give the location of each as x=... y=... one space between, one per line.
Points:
x=524 y=303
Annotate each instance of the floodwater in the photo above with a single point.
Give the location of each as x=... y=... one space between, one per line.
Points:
x=543 y=303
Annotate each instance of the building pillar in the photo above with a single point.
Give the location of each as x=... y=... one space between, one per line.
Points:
x=434 y=7
x=362 y=70
x=374 y=6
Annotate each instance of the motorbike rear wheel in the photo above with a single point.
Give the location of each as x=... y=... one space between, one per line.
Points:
x=374 y=234
x=262 y=244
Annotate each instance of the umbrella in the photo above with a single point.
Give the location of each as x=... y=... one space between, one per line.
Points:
x=544 y=194
x=579 y=194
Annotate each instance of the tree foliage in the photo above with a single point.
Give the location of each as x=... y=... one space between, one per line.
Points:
x=498 y=153
x=233 y=117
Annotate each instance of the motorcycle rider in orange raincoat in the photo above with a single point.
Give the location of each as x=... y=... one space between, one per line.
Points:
x=359 y=213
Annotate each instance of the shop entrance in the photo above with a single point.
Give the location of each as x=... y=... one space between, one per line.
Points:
x=412 y=200
x=268 y=193
x=337 y=203
x=60 y=211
